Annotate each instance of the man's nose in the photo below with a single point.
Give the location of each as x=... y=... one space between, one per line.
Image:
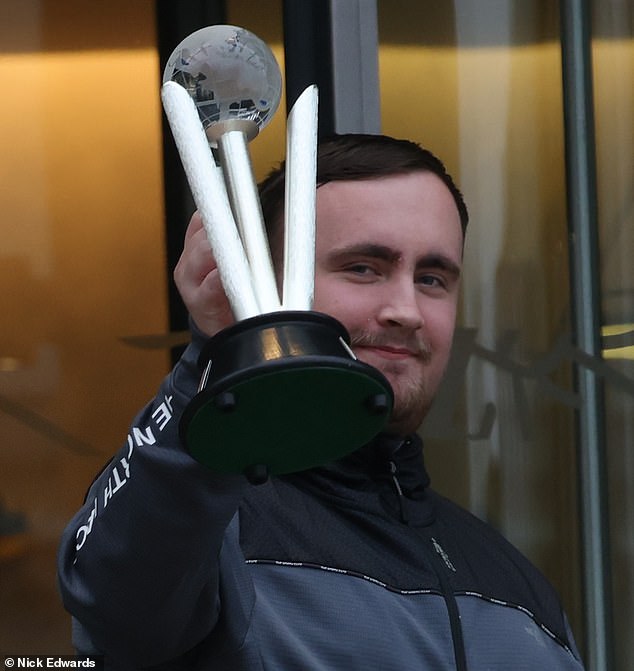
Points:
x=400 y=307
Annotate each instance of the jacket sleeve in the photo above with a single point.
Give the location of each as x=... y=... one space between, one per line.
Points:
x=138 y=564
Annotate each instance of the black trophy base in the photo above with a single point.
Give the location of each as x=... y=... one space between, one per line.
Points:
x=282 y=392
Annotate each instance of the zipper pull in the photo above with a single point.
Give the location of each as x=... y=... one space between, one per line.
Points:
x=442 y=554
x=399 y=492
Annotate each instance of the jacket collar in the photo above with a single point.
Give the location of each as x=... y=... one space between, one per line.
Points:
x=387 y=475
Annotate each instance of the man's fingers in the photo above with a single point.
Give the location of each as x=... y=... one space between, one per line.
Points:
x=194 y=227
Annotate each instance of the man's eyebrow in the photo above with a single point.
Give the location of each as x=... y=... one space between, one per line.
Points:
x=385 y=253
x=367 y=250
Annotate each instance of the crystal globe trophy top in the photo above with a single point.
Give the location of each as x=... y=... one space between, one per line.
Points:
x=232 y=76
x=281 y=390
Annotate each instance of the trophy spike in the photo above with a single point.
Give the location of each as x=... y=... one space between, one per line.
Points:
x=243 y=195
x=210 y=195
x=299 y=217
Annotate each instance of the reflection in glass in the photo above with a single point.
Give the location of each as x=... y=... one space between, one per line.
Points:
x=613 y=60
x=485 y=80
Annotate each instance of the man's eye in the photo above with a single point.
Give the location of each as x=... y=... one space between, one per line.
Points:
x=360 y=269
x=430 y=281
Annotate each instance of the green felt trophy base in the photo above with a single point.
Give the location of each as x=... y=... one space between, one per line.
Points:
x=282 y=392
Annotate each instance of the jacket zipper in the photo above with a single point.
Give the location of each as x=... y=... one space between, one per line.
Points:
x=440 y=563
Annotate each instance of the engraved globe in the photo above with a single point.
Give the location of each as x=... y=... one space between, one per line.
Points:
x=232 y=76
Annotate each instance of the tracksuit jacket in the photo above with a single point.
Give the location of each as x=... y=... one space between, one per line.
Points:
x=354 y=565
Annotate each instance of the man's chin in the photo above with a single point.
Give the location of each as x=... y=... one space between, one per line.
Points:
x=411 y=395
x=410 y=408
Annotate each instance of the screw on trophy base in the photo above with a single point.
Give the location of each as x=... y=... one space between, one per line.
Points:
x=282 y=392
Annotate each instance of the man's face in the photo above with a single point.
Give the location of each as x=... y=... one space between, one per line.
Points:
x=387 y=266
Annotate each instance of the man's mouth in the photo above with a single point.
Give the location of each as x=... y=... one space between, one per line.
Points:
x=391 y=347
x=391 y=352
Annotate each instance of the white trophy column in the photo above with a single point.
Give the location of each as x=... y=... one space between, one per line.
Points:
x=236 y=164
x=299 y=212
x=210 y=195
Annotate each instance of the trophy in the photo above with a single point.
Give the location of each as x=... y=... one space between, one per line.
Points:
x=281 y=390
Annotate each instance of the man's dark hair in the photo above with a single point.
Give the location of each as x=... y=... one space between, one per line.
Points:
x=356 y=157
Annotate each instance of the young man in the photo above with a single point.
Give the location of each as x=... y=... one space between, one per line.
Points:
x=356 y=563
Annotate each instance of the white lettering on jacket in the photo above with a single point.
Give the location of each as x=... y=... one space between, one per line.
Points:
x=120 y=469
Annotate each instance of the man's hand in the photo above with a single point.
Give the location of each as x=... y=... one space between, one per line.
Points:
x=198 y=281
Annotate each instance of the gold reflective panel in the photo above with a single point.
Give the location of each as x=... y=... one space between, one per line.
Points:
x=82 y=268
x=84 y=341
